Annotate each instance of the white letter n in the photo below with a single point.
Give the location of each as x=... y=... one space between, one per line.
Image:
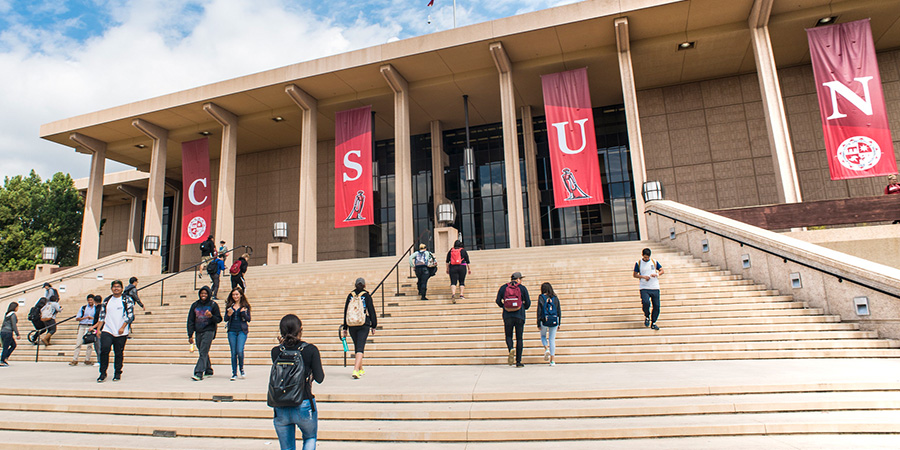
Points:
x=836 y=87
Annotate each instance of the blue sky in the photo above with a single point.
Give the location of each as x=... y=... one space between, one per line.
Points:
x=64 y=58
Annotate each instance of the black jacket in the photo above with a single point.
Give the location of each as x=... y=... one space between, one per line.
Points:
x=526 y=302
x=197 y=322
x=371 y=317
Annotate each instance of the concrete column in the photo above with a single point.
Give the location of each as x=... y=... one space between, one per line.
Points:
x=174 y=254
x=227 y=164
x=439 y=160
x=402 y=159
x=515 y=208
x=134 y=218
x=157 y=186
x=307 y=241
x=776 y=121
x=531 y=175
x=633 y=121
x=93 y=201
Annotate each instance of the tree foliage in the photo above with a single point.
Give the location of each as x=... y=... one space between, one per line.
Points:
x=36 y=214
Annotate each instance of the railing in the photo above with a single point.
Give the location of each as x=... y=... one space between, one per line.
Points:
x=54 y=280
x=784 y=258
x=34 y=336
x=395 y=269
x=162 y=281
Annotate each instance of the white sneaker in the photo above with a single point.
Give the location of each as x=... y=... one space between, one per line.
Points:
x=552 y=363
x=546 y=354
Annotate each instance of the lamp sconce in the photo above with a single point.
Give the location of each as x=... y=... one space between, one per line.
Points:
x=672 y=233
x=653 y=190
x=469 y=163
x=49 y=254
x=704 y=246
x=151 y=243
x=745 y=261
x=446 y=213
x=280 y=231
x=862 y=305
x=796 y=282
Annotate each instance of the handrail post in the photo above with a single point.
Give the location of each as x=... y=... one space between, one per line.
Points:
x=162 y=287
x=195 y=276
x=37 y=349
x=397 y=293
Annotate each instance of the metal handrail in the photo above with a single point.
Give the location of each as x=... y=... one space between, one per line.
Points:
x=784 y=258
x=54 y=280
x=35 y=335
x=162 y=281
x=393 y=268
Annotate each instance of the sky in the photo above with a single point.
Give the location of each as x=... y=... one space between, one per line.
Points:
x=62 y=58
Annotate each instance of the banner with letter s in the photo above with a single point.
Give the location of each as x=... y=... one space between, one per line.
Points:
x=851 y=101
x=353 y=168
x=197 y=199
x=570 y=135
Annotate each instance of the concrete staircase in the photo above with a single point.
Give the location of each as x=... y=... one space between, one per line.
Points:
x=732 y=358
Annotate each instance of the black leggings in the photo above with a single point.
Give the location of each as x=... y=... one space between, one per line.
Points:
x=359 y=336
x=458 y=273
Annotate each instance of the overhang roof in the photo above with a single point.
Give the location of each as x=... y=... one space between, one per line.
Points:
x=443 y=66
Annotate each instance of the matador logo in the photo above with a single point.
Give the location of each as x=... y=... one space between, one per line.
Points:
x=859 y=153
x=358 y=203
x=573 y=191
x=196 y=228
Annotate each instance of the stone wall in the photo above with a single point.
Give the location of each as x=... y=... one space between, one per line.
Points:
x=114 y=237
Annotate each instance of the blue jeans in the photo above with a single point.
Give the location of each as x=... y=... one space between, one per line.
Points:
x=549 y=334
x=305 y=417
x=648 y=297
x=236 y=340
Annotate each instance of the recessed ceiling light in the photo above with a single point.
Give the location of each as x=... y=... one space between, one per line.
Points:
x=278 y=119
x=205 y=133
x=826 y=21
x=141 y=146
x=686 y=45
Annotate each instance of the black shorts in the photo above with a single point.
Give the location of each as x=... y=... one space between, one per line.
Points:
x=458 y=273
x=359 y=336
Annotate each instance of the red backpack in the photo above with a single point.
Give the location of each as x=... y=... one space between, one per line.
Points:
x=512 y=298
x=235 y=268
x=456 y=256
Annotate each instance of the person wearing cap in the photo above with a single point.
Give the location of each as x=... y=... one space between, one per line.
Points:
x=49 y=292
x=893 y=186
x=223 y=251
x=422 y=261
x=514 y=299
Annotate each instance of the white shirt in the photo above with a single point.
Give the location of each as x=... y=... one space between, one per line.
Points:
x=648 y=268
x=115 y=317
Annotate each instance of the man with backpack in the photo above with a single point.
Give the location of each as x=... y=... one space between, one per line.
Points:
x=214 y=269
x=132 y=291
x=86 y=318
x=34 y=316
x=48 y=316
x=422 y=262
x=514 y=299
x=202 y=320
x=648 y=271
x=114 y=325
x=207 y=251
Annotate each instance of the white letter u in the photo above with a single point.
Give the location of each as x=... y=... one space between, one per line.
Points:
x=561 y=136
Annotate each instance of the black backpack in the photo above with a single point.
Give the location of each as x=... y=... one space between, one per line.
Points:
x=205 y=247
x=34 y=314
x=287 y=379
x=212 y=267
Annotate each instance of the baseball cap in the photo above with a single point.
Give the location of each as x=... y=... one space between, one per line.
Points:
x=421 y=246
x=516 y=276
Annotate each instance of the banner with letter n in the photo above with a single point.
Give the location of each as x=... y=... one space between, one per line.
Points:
x=570 y=135
x=851 y=101
x=353 y=168
x=196 y=198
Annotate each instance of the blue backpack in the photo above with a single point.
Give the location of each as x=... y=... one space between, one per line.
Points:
x=550 y=317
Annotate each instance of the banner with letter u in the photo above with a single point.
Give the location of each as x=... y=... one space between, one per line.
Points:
x=851 y=101
x=197 y=199
x=353 y=168
x=571 y=137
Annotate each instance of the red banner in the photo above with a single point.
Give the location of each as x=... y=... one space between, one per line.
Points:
x=353 y=168
x=851 y=101
x=197 y=199
x=570 y=133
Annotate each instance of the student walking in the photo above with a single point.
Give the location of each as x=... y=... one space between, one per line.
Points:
x=648 y=271
x=422 y=262
x=115 y=317
x=48 y=316
x=549 y=316
x=294 y=363
x=9 y=328
x=85 y=317
x=34 y=316
x=237 y=316
x=132 y=291
x=514 y=299
x=237 y=271
x=207 y=251
x=215 y=269
x=359 y=321
x=458 y=265
x=202 y=321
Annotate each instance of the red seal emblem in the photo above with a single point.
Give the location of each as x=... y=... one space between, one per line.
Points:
x=859 y=153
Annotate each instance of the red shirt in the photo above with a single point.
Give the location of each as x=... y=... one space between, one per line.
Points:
x=892 y=189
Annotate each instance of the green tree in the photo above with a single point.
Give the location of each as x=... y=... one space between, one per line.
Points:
x=35 y=214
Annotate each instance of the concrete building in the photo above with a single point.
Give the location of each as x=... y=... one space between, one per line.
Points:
x=715 y=99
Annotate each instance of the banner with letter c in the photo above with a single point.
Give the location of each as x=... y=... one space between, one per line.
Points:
x=197 y=199
x=851 y=101
x=570 y=135
x=353 y=168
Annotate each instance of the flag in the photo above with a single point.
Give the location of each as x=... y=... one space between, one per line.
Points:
x=431 y=3
x=196 y=189
x=353 y=168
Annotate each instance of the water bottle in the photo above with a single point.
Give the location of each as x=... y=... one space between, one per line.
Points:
x=344 y=341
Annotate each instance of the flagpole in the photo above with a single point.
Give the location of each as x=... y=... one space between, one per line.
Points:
x=454 y=13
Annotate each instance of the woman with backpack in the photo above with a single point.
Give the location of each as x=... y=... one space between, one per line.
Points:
x=359 y=321
x=237 y=271
x=458 y=265
x=237 y=316
x=7 y=330
x=294 y=407
x=34 y=316
x=549 y=317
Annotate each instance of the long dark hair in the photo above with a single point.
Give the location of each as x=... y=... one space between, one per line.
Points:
x=12 y=307
x=230 y=301
x=547 y=290
x=41 y=303
x=291 y=327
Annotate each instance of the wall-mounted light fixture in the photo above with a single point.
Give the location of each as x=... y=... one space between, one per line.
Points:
x=862 y=305
x=151 y=243
x=446 y=213
x=653 y=190
x=796 y=283
x=672 y=233
x=704 y=246
x=745 y=261
x=280 y=231
x=49 y=254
